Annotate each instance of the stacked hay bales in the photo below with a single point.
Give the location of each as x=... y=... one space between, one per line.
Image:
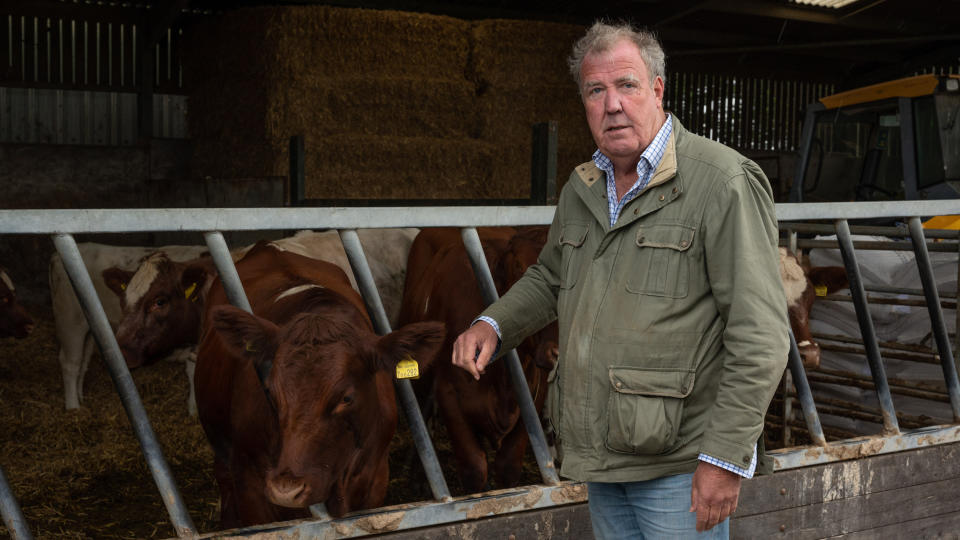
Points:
x=392 y=105
x=522 y=70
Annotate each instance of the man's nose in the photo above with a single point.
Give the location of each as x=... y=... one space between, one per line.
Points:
x=612 y=102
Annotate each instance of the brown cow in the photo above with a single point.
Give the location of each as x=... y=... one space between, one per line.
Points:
x=318 y=430
x=800 y=281
x=441 y=286
x=14 y=320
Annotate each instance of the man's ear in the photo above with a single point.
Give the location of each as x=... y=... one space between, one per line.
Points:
x=117 y=280
x=420 y=341
x=245 y=335
x=834 y=278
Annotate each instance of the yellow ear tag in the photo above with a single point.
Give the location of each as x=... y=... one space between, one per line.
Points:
x=248 y=345
x=123 y=286
x=408 y=368
x=821 y=290
x=190 y=290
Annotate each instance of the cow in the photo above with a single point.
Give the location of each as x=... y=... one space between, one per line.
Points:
x=800 y=283
x=72 y=330
x=317 y=429
x=163 y=303
x=441 y=286
x=14 y=320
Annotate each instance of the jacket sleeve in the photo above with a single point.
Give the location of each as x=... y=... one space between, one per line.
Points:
x=744 y=271
x=531 y=303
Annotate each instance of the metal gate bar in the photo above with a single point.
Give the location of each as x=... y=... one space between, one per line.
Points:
x=866 y=327
x=408 y=400
x=117 y=366
x=804 y=395
x=936 y=314
x=531 y=420
x=12 y=516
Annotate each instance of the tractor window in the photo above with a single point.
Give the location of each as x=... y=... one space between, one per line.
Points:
x=855 y=156
x=929 y=153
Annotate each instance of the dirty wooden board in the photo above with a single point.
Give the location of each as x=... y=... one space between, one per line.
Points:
x=565 y=522
x=889 y=492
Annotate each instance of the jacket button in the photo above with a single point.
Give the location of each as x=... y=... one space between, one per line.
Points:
x=636 y=211
x=674 y=190
x=662 y=198
x=683 y=243
x=619 y=385
x=641 y=239
x=746 y=459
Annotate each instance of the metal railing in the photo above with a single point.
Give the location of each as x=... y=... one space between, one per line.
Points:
x=62 y=224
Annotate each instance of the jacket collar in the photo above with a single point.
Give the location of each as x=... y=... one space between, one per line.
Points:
x=664 y=186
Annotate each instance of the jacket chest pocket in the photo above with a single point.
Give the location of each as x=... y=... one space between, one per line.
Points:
x=572 y=237
x=645 y=410
x=662 y=261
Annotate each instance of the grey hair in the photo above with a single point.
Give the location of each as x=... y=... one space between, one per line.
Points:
x=602 y=37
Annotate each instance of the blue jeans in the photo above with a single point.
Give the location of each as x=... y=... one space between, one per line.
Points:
x=652 y=510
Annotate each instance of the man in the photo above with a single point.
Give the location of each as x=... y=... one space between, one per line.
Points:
x=661 y=266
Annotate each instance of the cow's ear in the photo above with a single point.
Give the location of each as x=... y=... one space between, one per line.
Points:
x=244 y=334
x=194 y=279
x=419 y=341
x=834 y=278
x=117 y=279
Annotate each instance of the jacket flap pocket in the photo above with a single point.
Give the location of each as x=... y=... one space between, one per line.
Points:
x=573 y=234
x=678 y=237
x=651 y=382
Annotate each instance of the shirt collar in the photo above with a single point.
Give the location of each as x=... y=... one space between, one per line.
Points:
x=649 y=159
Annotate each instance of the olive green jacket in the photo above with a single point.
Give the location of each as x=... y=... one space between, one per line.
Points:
x=673 y=323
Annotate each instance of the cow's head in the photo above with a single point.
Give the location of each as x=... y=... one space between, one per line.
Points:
x=160 y=302
x=14 y=320
x=334 y=401
x=800 y=284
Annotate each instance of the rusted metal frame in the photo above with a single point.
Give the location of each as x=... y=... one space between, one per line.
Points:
x=888 y=301
x=888 y=354
x=531 y=420
x=905 y=388
x=775 y=422
x=408 y=400
x=879 y=245
x=936 y=314
x=117 y=367
x=803 y=392
x=411 y=516
x=871 y=445
x=12 y=516
x=884 y=344
x=866 y=327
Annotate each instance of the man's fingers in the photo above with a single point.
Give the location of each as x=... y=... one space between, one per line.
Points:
x=464 y=350
x=484 y=355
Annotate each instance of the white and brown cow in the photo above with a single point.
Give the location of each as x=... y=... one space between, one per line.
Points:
x=14 y=320
x=800 y=284
x=72 y=330
x=163 y=300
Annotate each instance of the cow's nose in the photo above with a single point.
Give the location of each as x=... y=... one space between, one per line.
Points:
x=287 y=490
x=810 y=354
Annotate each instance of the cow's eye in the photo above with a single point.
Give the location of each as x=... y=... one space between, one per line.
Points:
x=347 y=399
x=160 y=302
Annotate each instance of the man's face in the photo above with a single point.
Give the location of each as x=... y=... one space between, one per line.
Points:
x=623 y=109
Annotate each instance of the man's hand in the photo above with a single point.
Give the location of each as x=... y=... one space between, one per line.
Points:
x=714 y=495
x=479 y=337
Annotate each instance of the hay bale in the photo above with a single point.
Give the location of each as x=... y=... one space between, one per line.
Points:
x=323 y=41
x=508 y=53
x=372 y=105
x=373 y=167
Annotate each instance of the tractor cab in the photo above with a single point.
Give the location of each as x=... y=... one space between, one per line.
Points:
x=898 y=140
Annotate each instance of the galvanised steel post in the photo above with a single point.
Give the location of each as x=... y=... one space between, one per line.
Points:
x=804 y=395
x=531 y=420
x=12 y=516
x=937 y=322
x=229 y=277
x=418 y=428
x=117 y=366
x=890 y=424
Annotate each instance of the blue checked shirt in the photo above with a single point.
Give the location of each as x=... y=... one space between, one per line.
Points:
x=649 y=161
